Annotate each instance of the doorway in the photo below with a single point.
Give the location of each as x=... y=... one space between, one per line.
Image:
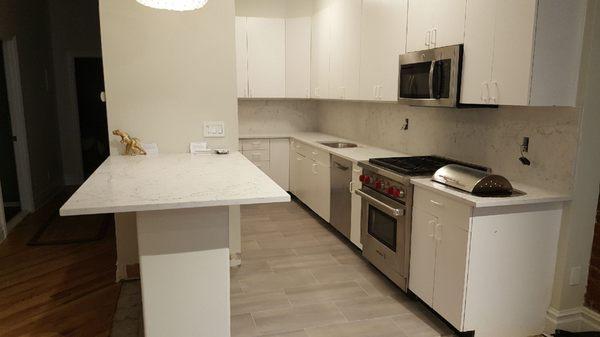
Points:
x=8 y=166
x=93 y=125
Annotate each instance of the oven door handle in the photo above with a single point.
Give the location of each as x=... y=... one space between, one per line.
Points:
x=431 y=72
x=395 y=211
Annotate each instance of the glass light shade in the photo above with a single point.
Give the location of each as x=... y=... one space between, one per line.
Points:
x=174 y=5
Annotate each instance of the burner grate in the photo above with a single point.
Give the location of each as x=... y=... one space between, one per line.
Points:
x=415 y=166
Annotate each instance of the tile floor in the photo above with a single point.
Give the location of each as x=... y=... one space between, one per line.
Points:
x=300 y=279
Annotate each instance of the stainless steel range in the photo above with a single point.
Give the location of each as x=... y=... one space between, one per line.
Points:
x=387 y=197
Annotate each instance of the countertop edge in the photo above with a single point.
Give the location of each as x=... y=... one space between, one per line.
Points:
x=553 y=197
x=172 y=206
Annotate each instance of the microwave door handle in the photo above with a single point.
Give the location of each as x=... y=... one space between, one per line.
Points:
x=431 y=72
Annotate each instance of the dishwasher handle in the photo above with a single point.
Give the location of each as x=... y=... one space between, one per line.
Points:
x=395 y=211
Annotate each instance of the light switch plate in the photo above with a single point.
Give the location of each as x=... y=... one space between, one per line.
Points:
x=214 y=129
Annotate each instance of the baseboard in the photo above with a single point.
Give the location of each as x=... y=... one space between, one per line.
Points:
x=574 y=320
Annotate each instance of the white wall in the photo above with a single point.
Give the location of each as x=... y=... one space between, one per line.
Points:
x=578 y=223
x=166 y=73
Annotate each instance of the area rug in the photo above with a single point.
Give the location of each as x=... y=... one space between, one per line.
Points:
x=61 y=230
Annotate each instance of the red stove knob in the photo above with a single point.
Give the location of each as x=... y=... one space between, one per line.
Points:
x=367 y=180
x=362 y=178
x=378 y=184
x=399 y=193
x=390 y=190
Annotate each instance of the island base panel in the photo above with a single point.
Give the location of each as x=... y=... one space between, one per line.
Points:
x=184 y=262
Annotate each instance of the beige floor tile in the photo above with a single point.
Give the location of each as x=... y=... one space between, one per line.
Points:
x=263 y=254
x=322 y=249
x=372 y=307
x=301 y=262
x=243 y=326
x=299 y=333
x=324 y=292
x=252 y=302
x=271 y=281
x=297 y=317
x=370 y=328
x=290 y=241
x=248 y=245
x=249 y=268
x=422 y=324
x=333 y=274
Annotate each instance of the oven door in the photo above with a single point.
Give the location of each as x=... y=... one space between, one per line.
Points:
x=385 y=235
x=430 y=77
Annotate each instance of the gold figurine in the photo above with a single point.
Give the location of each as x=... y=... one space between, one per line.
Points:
x=132 y=145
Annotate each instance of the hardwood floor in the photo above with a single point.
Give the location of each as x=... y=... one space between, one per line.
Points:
x=67 y=290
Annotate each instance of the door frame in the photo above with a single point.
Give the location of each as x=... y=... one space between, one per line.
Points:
x=72 y=83
x=18 y=124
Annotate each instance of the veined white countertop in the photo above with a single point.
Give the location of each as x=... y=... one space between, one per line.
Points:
x=533 y=195
x=172 y=181
x=355 y=154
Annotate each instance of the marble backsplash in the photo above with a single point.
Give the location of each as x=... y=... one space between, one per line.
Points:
x=489 y=137
x=276 y=116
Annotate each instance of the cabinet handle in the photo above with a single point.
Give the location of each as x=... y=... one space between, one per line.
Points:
x=496 y=92
x=438 y=204
x=432 y=224
x=380 y=96
x=314 y=167
x=485 y=92
x=428 y=38
x=351 y=187
x=299 y=158
x=374 y=91
x=434 y=37
x=315 y=153
x=438 y=232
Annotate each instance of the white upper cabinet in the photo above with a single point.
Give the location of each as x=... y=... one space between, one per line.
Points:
x=241 y=48
x=266 y=57
x=320 y=49
x=435 y=23
x=297 y=59
x=383 y=39
x=522 y=52
x=344 y=67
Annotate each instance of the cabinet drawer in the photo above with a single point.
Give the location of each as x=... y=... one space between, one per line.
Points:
x=256 y=155
x=446 y=209
x=255 y=144
x=319 y=156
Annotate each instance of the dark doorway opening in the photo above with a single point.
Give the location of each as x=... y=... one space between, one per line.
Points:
x=8 y=166
x=93 y=126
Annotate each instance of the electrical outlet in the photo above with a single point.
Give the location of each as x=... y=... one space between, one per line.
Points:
x=214 y=129
x=575 y=277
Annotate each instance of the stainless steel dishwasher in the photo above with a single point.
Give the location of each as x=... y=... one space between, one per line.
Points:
x=341 y=198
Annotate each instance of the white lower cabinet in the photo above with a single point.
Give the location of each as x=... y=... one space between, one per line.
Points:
x=310 y=178
x=272 y=156
x=488 y=270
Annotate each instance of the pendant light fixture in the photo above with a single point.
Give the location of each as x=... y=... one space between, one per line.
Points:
x=174 y=5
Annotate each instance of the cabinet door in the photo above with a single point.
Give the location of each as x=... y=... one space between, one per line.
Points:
x=241 y=53
x=383 y=39
x=297 y=59
x=295 y=172
x=355 y=217
x=513 y=51
x=450 y=272
x=320 y=185
x=422 y=255
x=345 y=53
x=279 y=157
x=266 y=57
x=320 y=48
x=478 y=51
x=420 y=23
x=449 y=22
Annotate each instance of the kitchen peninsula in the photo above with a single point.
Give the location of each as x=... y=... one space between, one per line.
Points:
x=181 y=204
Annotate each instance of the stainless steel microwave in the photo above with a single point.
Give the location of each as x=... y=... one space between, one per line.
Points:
x=431 y=77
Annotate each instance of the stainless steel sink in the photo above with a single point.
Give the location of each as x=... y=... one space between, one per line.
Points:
x=339 y=145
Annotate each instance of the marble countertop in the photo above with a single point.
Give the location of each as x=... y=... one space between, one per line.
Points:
x=533 y=195
x=172 y=181
x=356 y=154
